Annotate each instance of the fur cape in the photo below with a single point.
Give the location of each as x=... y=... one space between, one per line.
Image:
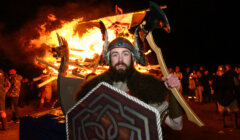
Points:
x=145 y=87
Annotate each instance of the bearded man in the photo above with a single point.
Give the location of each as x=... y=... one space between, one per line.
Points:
x=121 y=55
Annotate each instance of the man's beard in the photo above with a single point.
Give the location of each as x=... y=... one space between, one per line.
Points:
x=121 y=74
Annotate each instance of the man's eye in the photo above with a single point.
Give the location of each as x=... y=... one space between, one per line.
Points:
x=126 y=54
x=114 y=55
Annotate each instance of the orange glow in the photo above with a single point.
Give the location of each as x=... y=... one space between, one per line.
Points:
x=87 y=47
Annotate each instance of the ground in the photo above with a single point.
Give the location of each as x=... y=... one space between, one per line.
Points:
x=213 y=128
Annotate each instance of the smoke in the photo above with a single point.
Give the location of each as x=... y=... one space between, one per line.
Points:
x=16 y=53
x=16 y=50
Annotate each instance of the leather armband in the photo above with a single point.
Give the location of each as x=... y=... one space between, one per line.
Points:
x=164 y=115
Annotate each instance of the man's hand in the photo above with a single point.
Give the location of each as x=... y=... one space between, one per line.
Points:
x=171 y=81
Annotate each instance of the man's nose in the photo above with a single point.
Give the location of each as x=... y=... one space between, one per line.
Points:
x=120 y=58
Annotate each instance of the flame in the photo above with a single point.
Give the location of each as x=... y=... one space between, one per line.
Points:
x=87 y=47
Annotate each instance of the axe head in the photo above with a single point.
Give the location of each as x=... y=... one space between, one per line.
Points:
x=155 y=18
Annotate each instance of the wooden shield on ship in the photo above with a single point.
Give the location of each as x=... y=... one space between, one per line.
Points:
x=66 y=88
x=107 y=113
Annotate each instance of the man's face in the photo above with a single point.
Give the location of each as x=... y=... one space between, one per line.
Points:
x=120 y=58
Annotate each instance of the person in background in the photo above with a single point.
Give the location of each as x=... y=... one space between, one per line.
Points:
x=226 y=97
x=179 y=75
x=212 y=78
x=231 y=74
x=237 y=70
x=14 y=92
x=199 y=87
x=170 y=70
x=185 y=81
x=206 y=87
x=24 y=93
x=201 y=69
x=46 y=90
x=4 y=87
x=192 y=87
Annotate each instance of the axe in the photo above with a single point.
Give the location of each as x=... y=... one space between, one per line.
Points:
x=156 y=18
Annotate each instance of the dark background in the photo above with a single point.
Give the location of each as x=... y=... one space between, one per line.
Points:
x=203 y=31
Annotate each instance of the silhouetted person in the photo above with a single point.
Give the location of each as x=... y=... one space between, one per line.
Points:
x=206 y=87
x=199 y=87
x=24 y=97
x=185 y=81
x=225 y=95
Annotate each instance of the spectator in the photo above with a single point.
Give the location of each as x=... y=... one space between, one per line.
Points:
x=201 y=69
x=185 y=81
x=192 y=86
x=226 y=97
x=14 y=92
x=170 y=70
x=4 y=86
x=206 y=86
x=24 y=93
x=232 y=75
x=179 y=75
x=199 y=87
x=46 y=90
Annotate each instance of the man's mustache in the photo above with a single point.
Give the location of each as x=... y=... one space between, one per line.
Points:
x=120 y=63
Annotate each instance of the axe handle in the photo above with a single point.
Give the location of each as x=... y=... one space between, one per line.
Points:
x=189 y=112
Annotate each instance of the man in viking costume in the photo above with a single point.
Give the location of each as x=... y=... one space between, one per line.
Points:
x=120 y=55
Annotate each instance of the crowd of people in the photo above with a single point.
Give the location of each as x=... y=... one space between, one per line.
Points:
x=221 y=87
x=16 y=91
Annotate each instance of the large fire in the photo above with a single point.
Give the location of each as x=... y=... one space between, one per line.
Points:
x=82 y=50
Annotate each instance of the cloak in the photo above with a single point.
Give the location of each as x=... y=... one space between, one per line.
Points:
x=145 y=87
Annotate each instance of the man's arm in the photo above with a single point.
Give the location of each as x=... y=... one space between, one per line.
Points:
x=174 y=116
x=175 y=123
x=7 y=85
x=171 y=113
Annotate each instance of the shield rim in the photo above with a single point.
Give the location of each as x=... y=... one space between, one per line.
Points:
x=143 y=104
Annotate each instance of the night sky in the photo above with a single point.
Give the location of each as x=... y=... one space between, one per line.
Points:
x=203 y=31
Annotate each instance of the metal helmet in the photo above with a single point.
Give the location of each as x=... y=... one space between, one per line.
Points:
x=121 y=42
x=136 y=49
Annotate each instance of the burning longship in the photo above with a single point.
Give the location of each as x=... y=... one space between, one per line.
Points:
x=79 y=49
x=84 y=44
